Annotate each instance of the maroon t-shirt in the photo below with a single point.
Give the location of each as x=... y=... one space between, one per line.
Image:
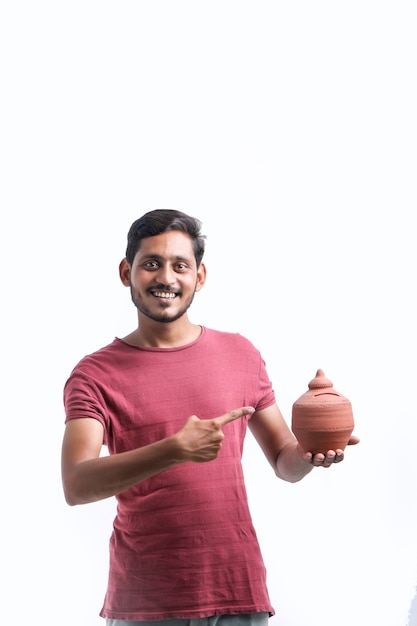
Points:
x=183 y=543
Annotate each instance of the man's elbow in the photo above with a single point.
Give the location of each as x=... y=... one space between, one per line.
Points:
x=73 y=494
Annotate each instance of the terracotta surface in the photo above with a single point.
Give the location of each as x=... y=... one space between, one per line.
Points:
x=322 y=418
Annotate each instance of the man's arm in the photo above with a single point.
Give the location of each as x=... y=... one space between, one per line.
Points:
x=289 y=461
x=88 y=477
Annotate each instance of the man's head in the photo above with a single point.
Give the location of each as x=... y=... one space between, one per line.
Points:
x=163 y=265
x=162 y=221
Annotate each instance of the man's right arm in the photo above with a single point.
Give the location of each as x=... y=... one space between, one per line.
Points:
x=89 y=477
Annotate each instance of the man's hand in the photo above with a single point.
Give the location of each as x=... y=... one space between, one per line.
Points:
x=331 y=456
x=201 y=440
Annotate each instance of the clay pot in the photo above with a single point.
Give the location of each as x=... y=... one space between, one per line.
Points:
x=322 y=418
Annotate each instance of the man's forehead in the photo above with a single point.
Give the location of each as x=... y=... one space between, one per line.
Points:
x=173 y=244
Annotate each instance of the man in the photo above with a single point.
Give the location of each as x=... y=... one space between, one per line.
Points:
x=172 y=401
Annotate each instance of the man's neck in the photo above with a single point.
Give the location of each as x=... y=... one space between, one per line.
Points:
x=163 y=335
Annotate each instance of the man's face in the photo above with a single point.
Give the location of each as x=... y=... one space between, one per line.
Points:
x=164 y=277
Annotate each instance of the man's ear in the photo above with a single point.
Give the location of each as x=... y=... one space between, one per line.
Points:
x=201 y=276
x=124 y=272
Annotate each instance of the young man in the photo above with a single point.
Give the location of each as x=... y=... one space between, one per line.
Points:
x=172 y=401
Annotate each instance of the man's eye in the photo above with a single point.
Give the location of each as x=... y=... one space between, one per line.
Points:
x=151 y=264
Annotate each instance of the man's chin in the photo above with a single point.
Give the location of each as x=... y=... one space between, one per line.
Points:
x=165 y=314
x=167 y=318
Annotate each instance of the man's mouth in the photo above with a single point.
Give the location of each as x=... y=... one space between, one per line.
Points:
x=169 y=295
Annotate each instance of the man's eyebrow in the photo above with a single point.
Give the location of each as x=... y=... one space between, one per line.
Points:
x=158 y=257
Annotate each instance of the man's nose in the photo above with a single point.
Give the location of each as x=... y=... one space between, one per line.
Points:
x=166 y=275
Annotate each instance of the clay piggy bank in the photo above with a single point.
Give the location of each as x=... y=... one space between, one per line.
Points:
x=322 y=418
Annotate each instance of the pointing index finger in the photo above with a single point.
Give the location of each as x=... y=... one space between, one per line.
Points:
x=231 y=416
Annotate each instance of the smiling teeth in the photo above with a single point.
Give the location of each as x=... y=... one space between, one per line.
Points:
x=164 y=294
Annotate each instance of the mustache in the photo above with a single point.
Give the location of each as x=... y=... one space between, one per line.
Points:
x=163 y=287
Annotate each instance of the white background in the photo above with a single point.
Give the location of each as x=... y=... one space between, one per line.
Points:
x=290 y=129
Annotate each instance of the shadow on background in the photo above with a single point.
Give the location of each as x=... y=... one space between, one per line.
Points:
x=412 y=616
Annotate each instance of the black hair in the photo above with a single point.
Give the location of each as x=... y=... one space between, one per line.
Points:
x=161 y=221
